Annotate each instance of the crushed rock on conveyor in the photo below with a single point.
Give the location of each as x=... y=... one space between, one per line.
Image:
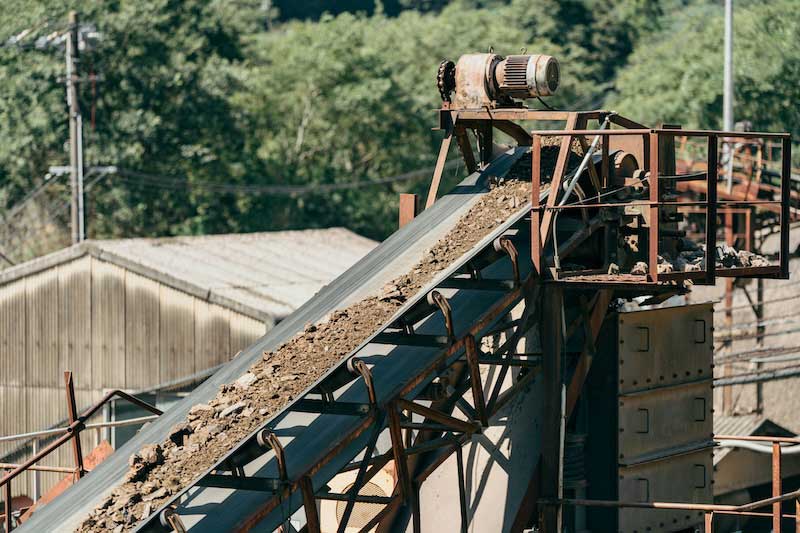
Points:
x=693 y=258
x=160 y=470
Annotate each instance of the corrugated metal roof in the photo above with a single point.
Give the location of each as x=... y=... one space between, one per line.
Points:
x=743 y=425
x=739 y=425
x=267 y=274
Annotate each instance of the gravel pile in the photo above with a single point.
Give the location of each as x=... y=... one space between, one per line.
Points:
x=691 y=258
x=551 y=146
x=160 y=470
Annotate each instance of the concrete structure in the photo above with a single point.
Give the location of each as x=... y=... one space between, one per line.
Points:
x=136 y=313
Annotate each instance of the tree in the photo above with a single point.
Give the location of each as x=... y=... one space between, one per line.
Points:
x=672 y=78
x=161 y=107
x=200 y=92
x=352 y=98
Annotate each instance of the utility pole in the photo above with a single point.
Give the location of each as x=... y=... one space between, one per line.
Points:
x=727 y=88
x=75 y=132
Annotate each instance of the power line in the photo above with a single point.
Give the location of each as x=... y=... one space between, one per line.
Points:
x=35 y=192
x=748 y=306
x=739 y=327
x=167 y=182
x=758 y=377
x=54 y=208
x=31 y=38
x=5 y=258
x=729 y=338
x=752 y=354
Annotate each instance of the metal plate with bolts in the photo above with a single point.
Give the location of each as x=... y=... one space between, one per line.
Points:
x=664 y=347
x=679 y=478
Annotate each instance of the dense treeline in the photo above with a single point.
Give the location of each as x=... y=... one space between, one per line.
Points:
x=254 y=93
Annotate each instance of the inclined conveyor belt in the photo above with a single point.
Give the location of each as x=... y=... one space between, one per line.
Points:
x=307 y=438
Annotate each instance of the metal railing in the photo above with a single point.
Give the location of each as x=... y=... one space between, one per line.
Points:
x=656 y=203
x=710 y=510
x=77 y=423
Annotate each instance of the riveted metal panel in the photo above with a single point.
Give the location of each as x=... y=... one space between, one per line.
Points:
x=682 y=478
x=664 y=347
x=665 y=414
x=664 y=419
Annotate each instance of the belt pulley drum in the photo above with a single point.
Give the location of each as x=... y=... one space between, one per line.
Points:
x=481 y=80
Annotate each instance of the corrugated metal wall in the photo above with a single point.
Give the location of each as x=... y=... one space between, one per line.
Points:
x=114 y=329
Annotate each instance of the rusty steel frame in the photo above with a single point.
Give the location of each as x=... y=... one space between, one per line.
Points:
x=458 y=122
x=651 y=138
x=591 y=316
x=751 y=184
x=77 y=423
x=709 y=510
x=592 y=322
x=409 y=208
x=543 y=479
x=428 y=441
x=439 y=435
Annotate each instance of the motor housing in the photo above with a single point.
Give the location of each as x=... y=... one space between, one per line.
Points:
x=492 y=80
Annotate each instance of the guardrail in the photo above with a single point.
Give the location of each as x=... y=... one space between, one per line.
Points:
x=656 y=202
x=710 y=510
x=69 y=433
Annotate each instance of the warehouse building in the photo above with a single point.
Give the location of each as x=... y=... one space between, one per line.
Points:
x=135 y=314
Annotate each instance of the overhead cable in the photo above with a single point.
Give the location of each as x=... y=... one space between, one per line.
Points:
x=168 y=182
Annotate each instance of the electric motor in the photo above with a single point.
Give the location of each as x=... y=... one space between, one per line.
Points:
x=491 y=80
x=527 y=76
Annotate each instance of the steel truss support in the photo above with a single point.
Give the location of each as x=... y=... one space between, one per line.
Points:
x=441 y=434
x=361 y=478
x=423 y=435
x=438 y=446
x=551 y=333
x=591 y=321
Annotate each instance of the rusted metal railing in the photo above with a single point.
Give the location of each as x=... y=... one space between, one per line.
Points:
x=654 y=179
x=710 y=510
x=77 y=423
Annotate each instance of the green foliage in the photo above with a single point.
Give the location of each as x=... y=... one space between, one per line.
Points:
x=281 y=93
x=674 y=79
x=353 y=96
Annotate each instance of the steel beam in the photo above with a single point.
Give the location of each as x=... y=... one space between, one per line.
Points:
x=72 y=410
x=475 y=380
x=409 y=208
x=253 y=483
x=310 y=405
x=310 y=505
x=555 y=184
x=437 y=172
x=552 y=444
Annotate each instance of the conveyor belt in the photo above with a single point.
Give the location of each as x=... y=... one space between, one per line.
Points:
x=390 y=259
